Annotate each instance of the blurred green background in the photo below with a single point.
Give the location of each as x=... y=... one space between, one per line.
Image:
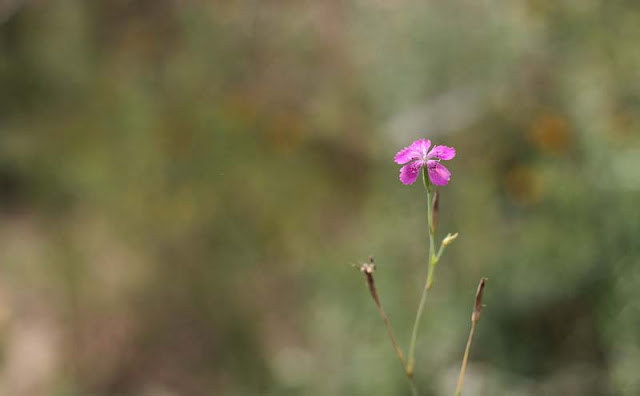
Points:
x=184 y=186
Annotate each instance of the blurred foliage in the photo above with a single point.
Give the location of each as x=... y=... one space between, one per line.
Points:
x=184 y=185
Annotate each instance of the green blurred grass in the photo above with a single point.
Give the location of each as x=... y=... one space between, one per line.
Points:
x=184 y=185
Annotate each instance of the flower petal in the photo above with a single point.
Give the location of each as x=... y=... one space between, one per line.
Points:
x=421 y=146
x=417 y=150
x=442 y=152
x=438 y=174
x=409 y=173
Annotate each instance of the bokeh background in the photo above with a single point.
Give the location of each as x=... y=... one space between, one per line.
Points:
x=185 y=186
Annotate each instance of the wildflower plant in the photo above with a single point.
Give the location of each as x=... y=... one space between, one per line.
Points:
x=420 y=158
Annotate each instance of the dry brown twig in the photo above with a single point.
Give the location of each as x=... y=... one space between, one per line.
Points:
x=475 y=317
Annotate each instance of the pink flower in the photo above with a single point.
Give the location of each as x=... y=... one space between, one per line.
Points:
x=420 y=156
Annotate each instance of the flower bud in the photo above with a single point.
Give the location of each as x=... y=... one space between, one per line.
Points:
x=449 y=239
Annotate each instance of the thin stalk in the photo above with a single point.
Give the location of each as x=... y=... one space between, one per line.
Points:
x=465 y=359
x=475 y=317
x=414 y=390
x=367 y=270
x=416 y=323
x=433 y=259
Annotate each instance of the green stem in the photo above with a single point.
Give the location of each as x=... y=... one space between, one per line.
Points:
x=442 y=246
x=416 y=323
x=414 y=390
x=433 y=260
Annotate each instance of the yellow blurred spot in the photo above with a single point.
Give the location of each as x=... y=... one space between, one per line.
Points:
x=523 y=185
x=550 y=133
